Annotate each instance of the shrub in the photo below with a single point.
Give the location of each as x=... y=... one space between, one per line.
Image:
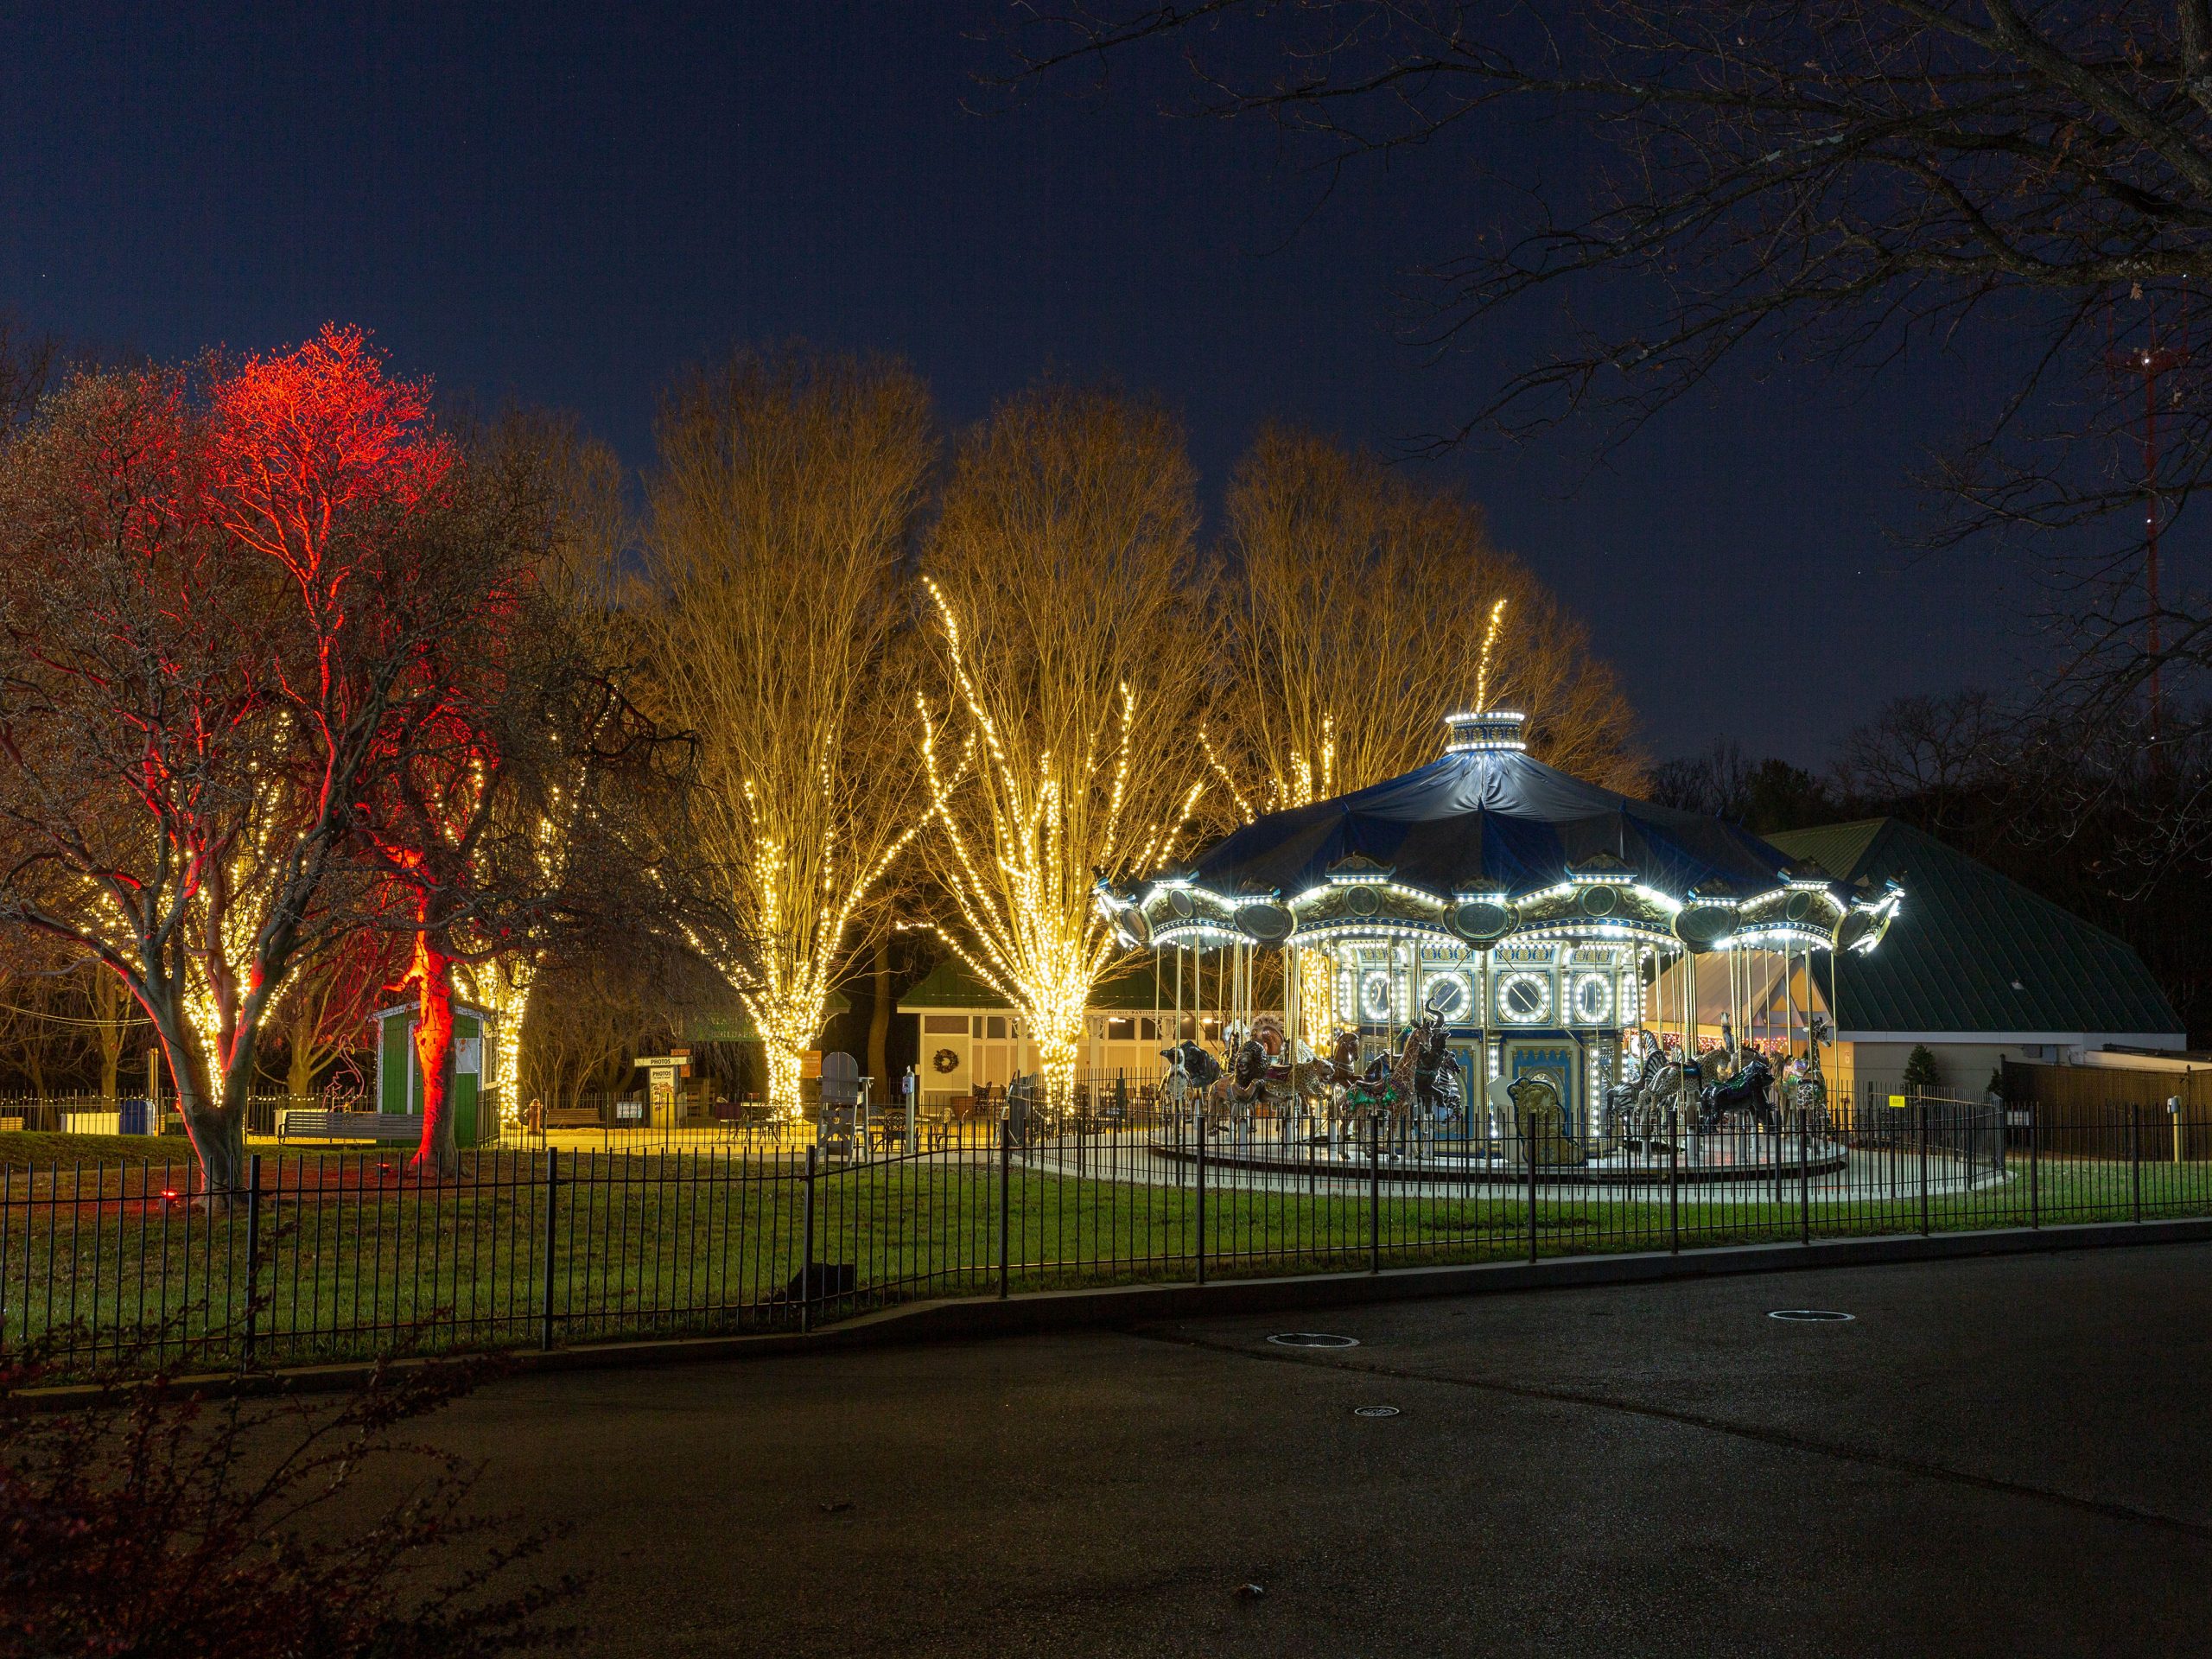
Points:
x=148 y=1520
x=1921 y=1074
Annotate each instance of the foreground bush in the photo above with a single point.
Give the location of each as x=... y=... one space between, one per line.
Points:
x=149 y=1521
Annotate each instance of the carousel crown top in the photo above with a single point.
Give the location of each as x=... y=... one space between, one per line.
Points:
x=1487 y=844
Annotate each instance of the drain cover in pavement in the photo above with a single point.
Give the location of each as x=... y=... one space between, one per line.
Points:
x=1375 y=1411
x=1312 y=1339
x=1810 y=1315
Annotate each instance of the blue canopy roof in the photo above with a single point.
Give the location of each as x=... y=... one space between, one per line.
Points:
x=1488 y=818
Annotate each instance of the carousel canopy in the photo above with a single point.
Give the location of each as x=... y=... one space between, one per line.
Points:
x=1487 y=842
x=1487 y=820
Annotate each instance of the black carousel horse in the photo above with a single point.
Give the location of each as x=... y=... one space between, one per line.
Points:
x=1744 y=1089
x=1198 y=1066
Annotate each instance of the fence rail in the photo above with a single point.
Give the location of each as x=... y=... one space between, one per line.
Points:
x=333 y=1254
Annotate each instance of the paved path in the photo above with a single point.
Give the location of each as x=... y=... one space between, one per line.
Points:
x=2001 y=1457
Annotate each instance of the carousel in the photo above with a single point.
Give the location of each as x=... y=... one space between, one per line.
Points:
x=1487 y=964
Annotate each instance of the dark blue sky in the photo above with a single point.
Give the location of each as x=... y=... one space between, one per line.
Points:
x=566 y=204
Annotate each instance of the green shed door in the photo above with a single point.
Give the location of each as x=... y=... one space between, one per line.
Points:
x=466 y=1085
x=398 y=1068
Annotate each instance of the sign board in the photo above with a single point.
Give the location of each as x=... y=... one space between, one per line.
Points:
x=1896 y=1102
x=810 y=1064
x=662 y=1072
x=629 y=1111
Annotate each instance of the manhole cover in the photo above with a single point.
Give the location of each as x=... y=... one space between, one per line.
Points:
x=1312 y=1339
x=1375 y=1411
x=1810 y=1315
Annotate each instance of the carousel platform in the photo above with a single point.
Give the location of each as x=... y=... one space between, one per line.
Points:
x=1725 y=1157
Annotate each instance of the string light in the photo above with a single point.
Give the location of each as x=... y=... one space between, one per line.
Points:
x=1032 y=932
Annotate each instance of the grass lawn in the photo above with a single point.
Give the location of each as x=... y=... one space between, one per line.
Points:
x=356 y=1256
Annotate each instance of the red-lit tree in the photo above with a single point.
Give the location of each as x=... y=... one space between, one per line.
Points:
x=218 y=592
x=509 y=735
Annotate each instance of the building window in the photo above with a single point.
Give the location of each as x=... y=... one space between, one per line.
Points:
x=994 y=1026
x=1150 y=1028
x=1121 y=1030
x=945 y=1025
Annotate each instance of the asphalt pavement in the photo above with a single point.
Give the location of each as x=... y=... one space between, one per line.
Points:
x=2004 y=1456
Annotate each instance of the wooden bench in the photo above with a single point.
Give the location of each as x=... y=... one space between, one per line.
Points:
x=572 y=1117
x=397 y=1127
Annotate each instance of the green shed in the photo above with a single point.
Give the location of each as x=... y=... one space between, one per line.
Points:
x=399 y=1080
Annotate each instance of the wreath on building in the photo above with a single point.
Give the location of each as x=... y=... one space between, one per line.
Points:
x=944 y=1060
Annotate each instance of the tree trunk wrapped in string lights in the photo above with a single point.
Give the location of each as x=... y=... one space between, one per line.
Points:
x=1058 y=581
x=784 y=497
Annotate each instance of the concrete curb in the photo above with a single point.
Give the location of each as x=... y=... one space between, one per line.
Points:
x=970 y=1319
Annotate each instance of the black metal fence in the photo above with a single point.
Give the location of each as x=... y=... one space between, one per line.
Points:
x=337 y=1253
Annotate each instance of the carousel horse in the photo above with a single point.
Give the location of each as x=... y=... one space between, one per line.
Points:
x=1238 y=1086
x=1661 y=1090
x=1636 y=1107
x=1190 y=1073
x=1274 y=1075
x=1803 y=1085
x=1392 y=1087
x=1744 y=1087
x=1436 y=1077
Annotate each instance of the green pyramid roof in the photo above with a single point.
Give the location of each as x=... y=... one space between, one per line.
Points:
x=1973 y=950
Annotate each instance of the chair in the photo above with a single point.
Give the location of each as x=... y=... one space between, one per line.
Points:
x=840 y=1126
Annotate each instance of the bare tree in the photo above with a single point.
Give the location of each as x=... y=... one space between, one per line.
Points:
x=588 y=524
x=1361 y=609
x=28 y=364
x=782 y=503
x=2029 y=186
x=1065 y=595
x=325 y=1007
x=1943 y=755
x=44 y=1035
x=108 y=1000
x=590 y=1018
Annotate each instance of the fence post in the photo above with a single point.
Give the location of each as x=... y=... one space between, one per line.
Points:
x=806 y=1259
x=1529 y=1151
x=1674 y=1184
x=2135 y=1156
x=545 y=1292
x=2035 y=1169
x=1375 y=1193
x=7 y=1209
x=252 y=1256
x=1804 y=1179
x=1006 y=1175
x=1198 y=1129
x=1924 y=1228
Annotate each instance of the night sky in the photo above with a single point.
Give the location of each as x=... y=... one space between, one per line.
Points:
x=567 y=204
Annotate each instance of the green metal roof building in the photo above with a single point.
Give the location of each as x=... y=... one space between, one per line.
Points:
x=1976 y=968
